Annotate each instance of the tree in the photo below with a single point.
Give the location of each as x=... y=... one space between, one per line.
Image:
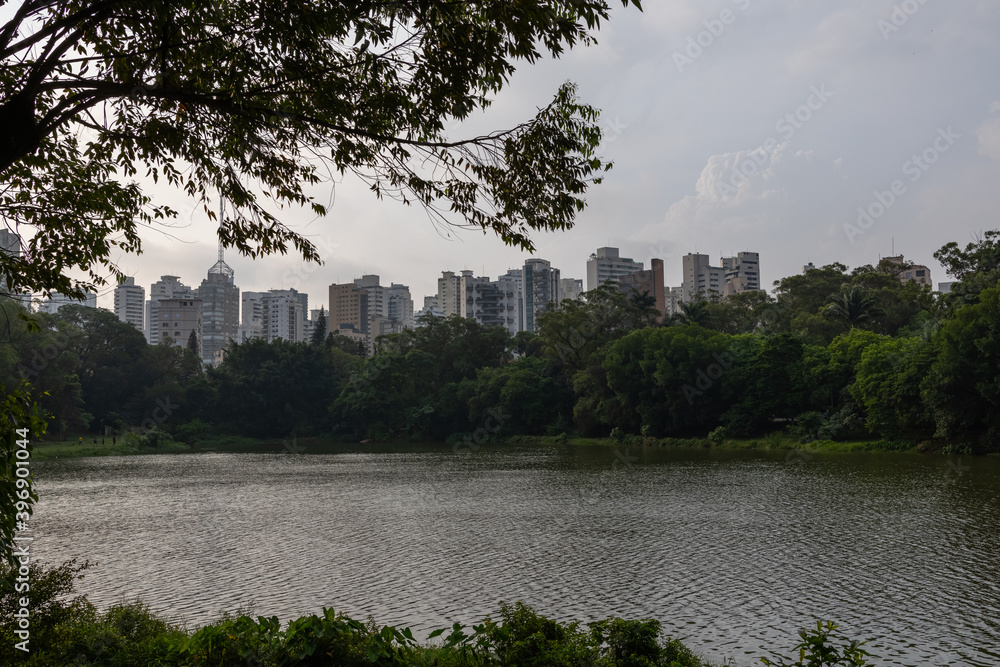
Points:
x=963 y=388
x=743 y=312
x=888 y=386
x=807 y=293
x=662 y=381
x=213 y=97
x=275 y=389
x=854 y=305
x=695 y=312
x=767 y=383
x=108 y=356
x=574 y=330
x=319 y=329
x=192 y=344
x=977 y=267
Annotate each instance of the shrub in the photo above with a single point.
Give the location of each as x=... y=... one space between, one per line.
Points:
x=718 y=435
x=527 y=639
x=818 y=649
x=194 y=431
x=49 y=606
x=807 y=427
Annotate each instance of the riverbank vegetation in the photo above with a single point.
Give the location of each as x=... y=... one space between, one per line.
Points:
x=68 y=630
x=857 y=357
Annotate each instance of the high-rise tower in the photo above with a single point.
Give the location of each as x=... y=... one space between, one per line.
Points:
x=220 y=306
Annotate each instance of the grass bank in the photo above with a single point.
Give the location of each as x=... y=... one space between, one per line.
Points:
x=73 y=449
x=778 y=441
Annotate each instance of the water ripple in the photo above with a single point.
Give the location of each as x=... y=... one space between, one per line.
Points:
x=733 y=552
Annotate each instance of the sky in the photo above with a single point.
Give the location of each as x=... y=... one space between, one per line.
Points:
x=804 y=131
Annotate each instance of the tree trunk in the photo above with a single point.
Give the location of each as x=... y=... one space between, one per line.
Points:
x=20 y=136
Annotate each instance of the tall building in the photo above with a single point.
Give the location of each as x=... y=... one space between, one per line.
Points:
x=430 y=308
x=176 y=318
x=252 y=316
x=449 y=294
x=281 y=316
x=401 y=305
x=605 y=265
x=571 y=288
x=167 y=287
x=737 y=274
x=649 y=282
x=918 y=273
x=57 y=301
x=701 y=278
x=742 y=273
x=673 y=298
x=539 y=289
x=378 y=297
x=491 y=303
x=348 y=309
x=130 y=300
x=221 y=311
x=511 y=305
x=10 y=245
x=389 y=309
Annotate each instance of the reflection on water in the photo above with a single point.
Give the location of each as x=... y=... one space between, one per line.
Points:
x=732 y=551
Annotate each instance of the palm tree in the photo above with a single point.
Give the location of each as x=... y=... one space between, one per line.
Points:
x=853 y=304
x=695 y=312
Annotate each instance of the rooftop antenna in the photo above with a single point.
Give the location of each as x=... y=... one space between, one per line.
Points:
x=222 y=208
x=221 y=266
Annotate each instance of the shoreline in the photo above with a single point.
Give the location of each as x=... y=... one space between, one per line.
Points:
x=775 y=442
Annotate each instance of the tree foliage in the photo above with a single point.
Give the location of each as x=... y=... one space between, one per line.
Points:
x=261 y=101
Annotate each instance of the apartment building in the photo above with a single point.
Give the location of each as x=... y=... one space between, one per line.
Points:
x=606 y=265
x=130 y=302
x=539 y=289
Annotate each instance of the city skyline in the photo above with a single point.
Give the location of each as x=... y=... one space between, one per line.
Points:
x=835 y=125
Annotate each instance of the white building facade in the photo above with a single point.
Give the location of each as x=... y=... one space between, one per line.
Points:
x=606 y=264
x=167 y=287
x=130 y=303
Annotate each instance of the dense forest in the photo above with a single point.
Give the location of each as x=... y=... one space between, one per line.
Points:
x=834 y=354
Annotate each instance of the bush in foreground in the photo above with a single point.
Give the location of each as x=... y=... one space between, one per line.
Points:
x=67 y=630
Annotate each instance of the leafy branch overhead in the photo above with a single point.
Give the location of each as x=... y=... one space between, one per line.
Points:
x=260 y=101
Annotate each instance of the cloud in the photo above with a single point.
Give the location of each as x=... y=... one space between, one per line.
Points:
x=736 y=192
x=989 y=134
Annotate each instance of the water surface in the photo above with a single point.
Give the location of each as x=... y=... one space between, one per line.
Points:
x=731 y=551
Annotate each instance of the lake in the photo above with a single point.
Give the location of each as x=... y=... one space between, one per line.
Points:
x=732 y=551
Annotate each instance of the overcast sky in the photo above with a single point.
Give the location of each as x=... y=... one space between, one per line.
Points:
x=734 y=125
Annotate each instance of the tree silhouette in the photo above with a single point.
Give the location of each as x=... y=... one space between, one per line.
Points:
x=192 y=343
x=211 y=97
x=319 y=329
